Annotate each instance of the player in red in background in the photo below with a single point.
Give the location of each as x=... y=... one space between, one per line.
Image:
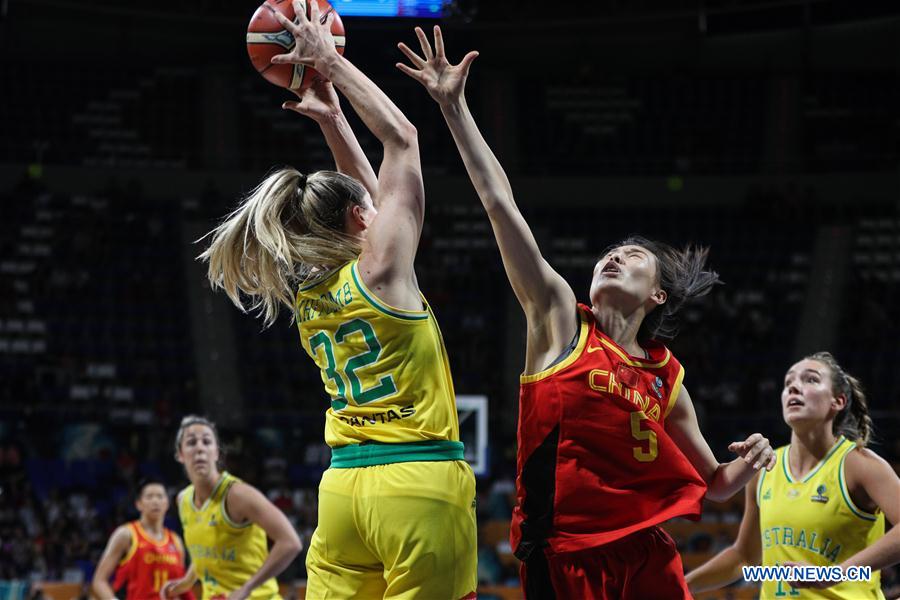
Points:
x=146 y=552
x=608 y=441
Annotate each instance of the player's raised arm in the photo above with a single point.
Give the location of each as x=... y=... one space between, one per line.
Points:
x=725 y=567
x=387 y=259
x=116 y=549
x=320 y=103
x=547 y=299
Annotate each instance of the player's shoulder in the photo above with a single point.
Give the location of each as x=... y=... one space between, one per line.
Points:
x=185 y=490
x=123 y=536
x=124 y=530
x=862 y=461
x=241 y=490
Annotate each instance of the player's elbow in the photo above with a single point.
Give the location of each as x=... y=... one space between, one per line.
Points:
x=404 y=135
x=717 y=494
x=292 y=544
x=720 y=487
x=96 y=588
x=498 y=204
x=718 y=491
x=492 y=201
x=742 y=555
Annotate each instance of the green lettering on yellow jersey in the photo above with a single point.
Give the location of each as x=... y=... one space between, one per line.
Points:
x=385 y=370
x=224 y=554
x=813 y=520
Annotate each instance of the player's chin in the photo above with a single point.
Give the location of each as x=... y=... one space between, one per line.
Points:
x=793 y=415
x=612 y=292
x=602 y=287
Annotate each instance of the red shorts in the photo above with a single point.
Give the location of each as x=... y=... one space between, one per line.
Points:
x=642 y=565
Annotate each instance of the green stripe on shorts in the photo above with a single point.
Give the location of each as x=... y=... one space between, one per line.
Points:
x=379 y=453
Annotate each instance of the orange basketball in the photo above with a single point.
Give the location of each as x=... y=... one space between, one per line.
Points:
x=267 y=38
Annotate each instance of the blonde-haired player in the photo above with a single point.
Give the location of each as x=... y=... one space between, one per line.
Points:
x=396 y=508
x=226 y=523
x=826 y=500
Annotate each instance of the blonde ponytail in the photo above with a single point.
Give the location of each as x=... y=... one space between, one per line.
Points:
x=287 y=230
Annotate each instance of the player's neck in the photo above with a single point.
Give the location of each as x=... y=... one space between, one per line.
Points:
x=621 y=328
x=808 y=447
x=203 y=487
x=154 y=528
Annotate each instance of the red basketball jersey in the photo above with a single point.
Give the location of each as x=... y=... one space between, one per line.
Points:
x=149 y=564
x=594 y=460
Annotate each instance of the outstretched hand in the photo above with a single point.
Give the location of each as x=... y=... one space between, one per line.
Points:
x=318 y=102
x=313 y=42
x=756 y=451
x=445 y=83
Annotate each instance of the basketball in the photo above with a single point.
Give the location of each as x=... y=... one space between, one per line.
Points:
x=267 y=38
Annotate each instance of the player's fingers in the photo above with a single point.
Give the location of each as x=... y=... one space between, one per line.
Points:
x=280 y=59
x=327 y=16
x=438 y=42
x=752 y=439
x=410 y=71
x=328 y=19
x=423 y=41
x=747 y=445
x=412 y=56
x=466 y=62
x=313 y=11
x=756 y=451
x=773 y=459
x=284 y=59
x=736 y=447
x=763 y=458
x=287 y=23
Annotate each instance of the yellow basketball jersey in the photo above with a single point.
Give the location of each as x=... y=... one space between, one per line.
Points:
x=224 y=554
x=386 y=371
x=813 y=520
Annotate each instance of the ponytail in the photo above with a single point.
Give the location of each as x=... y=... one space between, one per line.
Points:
x=853 y=422
x=288 y=229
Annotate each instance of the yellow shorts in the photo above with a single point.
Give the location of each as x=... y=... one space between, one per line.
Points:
x=402 y=530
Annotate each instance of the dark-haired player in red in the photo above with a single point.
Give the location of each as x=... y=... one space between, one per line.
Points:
x=143 y=553
x=608 y=441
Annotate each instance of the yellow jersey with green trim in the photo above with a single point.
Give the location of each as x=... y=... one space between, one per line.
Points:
x=813 y=520
x=385 y=370
x=223 y=553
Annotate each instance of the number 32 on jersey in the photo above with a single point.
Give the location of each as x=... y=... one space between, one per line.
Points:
x=347 y=370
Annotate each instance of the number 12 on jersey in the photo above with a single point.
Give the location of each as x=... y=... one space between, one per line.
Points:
x=346 y=372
